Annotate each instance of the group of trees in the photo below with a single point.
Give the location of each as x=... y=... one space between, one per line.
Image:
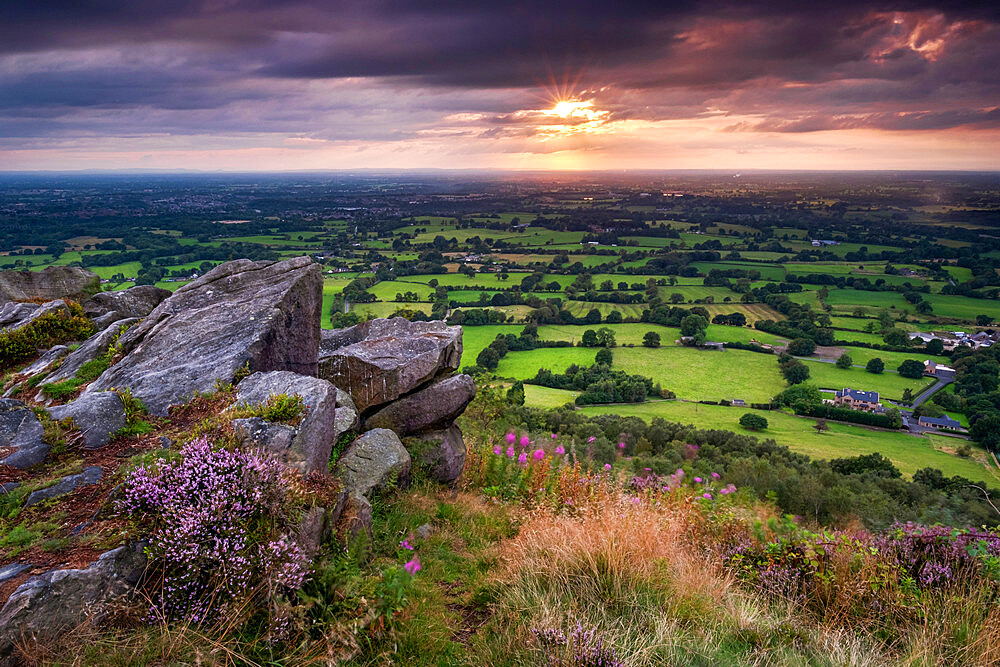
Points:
x=598 y=383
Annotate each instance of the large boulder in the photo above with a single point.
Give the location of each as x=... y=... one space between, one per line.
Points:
x=92 y=348
x=21 y=432
x=346 y=420
x=53 y=282
x=263 y=316
x=372 y=461
x=380 y=360
x=431 y=408
x=18 y=315
x=310 y=446
x=98 y=416
x=61 y=600
x=440 y=453
x=107 y=307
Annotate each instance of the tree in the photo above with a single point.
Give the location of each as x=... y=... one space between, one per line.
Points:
x=515 y=395
x=651 y=339
x=821 y=426
x=896 y=337
x=692 y=325
x=908 y=396
x=488 y=358
x=800 y=395
x=593 y=317
x=676 y=297
x=589 y=338
x=614 y=317
x=911 y=368
x=986 y=430
x=606 y=337
x=604 y=356
x=801 y=347
x=844 y=361
x=753 y=422
x=935 y=346
x=875 y=365
x=795 y=372
x=983 y=320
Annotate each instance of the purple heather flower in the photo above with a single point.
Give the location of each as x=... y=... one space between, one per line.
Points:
x=539 y=454
x=412 y=566
x=523 y=458
x=560 y=450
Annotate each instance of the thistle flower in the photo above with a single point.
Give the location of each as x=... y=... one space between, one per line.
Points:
x=554 y=436
x=591 y=439
x=412 y=566
x=715 y=475
x=706 y=496
x=621 y=445
x=697 y=480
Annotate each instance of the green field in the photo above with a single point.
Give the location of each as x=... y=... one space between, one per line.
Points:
x=889 y=385
x=909 y=453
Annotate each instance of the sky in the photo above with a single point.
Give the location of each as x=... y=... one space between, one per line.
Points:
x=261 y=85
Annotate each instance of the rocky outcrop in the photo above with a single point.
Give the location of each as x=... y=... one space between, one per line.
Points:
x=91 y=475
x=434 y=407
x=18 y=315
x=21 y=432
x=378 y=361
x=53 y=282
x=311 y=441
x=263 y=316
x=61 y=600
x=98 y=416
x=92 y=348
x=45 y=362
x=441 y=453
x=107 y=307
x=371 y=461
x=346 y=419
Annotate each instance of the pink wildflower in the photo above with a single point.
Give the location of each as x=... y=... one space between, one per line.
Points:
x=523 y=458
x=591 y=439
x=554 y=436
x=621 y=445
x=511 y=438
x=525 y=440
x=706 y=496
x=510 y=452
x=697 y=480
x=406 y=545
x=560 y=450
x=607 y=466
x=539 y=454
x=498 y=450
x=412 y=566
x=679 y=472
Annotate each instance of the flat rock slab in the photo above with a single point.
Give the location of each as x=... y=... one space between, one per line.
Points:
x=98 y=416
x=92 y=348
x=260 y=315
x=52 y=282
x=21 y=431
x=60 y=600
x=91 y=475
x=380 y=360
x=8 y=572
x=441 y=453
x=431 y=408
x=371 y=461
x=310 y=448
x=49 y=357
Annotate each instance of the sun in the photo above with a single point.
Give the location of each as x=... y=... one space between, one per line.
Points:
x=574 y=109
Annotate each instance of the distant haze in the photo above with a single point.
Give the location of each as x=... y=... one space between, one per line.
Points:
x=249 y=85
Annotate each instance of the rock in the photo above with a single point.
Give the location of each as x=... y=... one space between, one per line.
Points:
x=310 y=449
x=91 y=475
x=53 y=282
x=346 y=419
x=92 y=348
x=355 y=519
x=7 y=487
x=371 y=461
x=441 y=452
x=19 y=315
x=380 y=360
x=8 y=572
x=21 y=430
x=98 y=416
x=424 y=531
x=260 y=315
x=49 y=357
x=60 y=600
x=107 y=307
x=431 y=408
x=259 y=433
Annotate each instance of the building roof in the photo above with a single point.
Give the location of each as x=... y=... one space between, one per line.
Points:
x=867 y=396
x=945 y=421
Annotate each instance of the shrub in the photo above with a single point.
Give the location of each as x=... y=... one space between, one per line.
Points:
x=219 y=526
x=875 y=365
x=651 y=339
x=753 y=422
x=911 y=368
x=844 y=361
x=801 y=347
x=17 y=345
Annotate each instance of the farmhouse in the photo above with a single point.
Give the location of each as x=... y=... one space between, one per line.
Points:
x=857 y=400
x=823 y=242
x=931 y=368
x=938 y=422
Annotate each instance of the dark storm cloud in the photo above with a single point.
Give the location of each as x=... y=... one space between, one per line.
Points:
x=803 y=66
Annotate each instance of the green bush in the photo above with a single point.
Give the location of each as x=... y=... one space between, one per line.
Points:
x=17 y=345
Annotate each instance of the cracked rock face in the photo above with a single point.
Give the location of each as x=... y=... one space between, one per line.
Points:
x=21 y=432
x=261 y=315
x=431 y=408
x=53 y=282
x=378 y=361
x=108 y=307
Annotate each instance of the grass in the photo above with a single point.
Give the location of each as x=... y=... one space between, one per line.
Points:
x=889 y=385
